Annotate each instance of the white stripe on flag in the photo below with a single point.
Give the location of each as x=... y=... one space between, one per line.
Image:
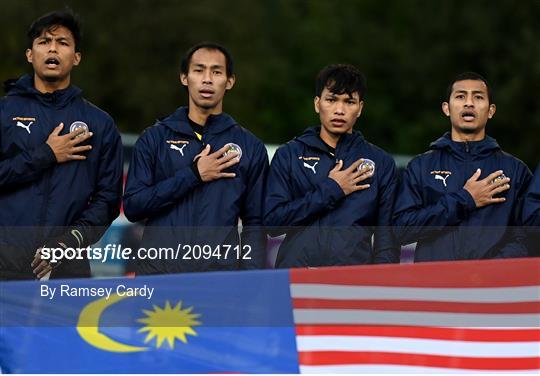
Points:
x=374 y=317
x=375 y=368
x=464 y=295
x=418 y=346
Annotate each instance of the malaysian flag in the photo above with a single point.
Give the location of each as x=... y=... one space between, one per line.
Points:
x=431 y=317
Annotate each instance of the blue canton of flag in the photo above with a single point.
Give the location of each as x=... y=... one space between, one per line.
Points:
x=191 y=323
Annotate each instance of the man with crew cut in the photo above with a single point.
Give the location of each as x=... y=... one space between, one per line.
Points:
x=460 y=199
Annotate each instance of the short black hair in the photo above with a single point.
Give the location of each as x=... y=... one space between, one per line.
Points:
x=186 y=59
x=469 y=76
x=341 y=78
x=52 y=20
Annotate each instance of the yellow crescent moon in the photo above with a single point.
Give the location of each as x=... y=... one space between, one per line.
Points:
x=88 y=327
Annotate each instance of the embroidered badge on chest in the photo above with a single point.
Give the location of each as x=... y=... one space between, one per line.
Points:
x=79 y=125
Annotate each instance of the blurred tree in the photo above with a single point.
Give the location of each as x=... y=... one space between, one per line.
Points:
x=409 y=50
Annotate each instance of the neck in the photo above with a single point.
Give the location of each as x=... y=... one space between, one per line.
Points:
x=330 y=139
x=458 y=136
x=44 y=86
x=200 y=115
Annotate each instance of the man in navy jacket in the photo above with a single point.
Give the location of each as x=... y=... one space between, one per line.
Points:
x=531 y=206
x=460 y=199
x=195 y=174
x=531 y=214
x=331 y=186
x=60 y=159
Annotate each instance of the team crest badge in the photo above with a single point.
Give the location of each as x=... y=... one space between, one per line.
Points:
x=233 y=148
x=76 y=125
x=367 y=163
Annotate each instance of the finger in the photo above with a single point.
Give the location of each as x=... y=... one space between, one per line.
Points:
x=361 y=187
x=338 y=166
x=355 y=165
x=361 y=177
x=227 y=157
x=228 y=164
x=497 y=200
x=227 y=175
x=44 y=272
x=203 y=153
x=493 y=175
x=77 y=139
x=80 y=149
x=476 y=175
x=56 y=131
x=500 y=188
x=221 y=151
x=42 y=265
x=76 y=157
x=35 y=261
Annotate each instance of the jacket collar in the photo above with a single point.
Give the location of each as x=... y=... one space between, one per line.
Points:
x=311 y=137
x=462 y=150
x=178 y=121
x=24 y=86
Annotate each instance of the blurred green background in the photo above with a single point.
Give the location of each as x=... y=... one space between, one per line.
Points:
x=408 y=49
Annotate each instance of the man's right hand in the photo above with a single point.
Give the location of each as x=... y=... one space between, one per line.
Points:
x=65 y=147
x=350 y=177
x=211 y=166
x=482 y=191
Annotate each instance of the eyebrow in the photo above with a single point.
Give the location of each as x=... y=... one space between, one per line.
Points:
x=216 y=66
x=473 y=91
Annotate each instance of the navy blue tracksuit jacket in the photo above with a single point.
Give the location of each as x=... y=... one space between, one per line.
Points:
x=163 y=189
x=39 y=198
x=433 y=208
x=325 y=227
x=531 y=206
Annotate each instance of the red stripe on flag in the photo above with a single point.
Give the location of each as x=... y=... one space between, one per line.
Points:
x=420 y=332
x=318 y=358
x=419 y=306
x=485 y=273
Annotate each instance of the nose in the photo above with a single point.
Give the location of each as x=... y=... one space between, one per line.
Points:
x=52 y=46
x=340 y=108
x=207 y=76
x=469 y=101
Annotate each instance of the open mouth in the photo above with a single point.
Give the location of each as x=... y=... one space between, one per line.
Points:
x=468 y=115
x=52 y=62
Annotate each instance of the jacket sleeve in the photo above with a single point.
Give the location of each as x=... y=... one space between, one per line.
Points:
x=415 y=220
x=516 y=245
x=386 y=248
x=25 y=166
x=104 y=203
x=531 y=203
x=144 y=196
x=283 y=209
x=253 y=234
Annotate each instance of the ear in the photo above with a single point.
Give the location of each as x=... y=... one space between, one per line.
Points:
x=316 y=103
x=183 y=79
x=445 y=108
x=492 y=109
x=77 y=58
x=29 y=55
x=230 y=82
x=361 y=106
